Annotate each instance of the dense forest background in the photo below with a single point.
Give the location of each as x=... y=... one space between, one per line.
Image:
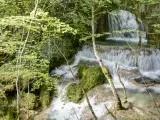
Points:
x=38 y=36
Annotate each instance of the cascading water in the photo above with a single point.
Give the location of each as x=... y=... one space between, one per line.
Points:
x=146 y=62
x=133 y=63
x=123 y=26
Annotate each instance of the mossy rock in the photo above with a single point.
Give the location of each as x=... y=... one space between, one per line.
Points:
x=81 y=69
x=91 y=78
x=74 y=93
x=44 y=97
x=11 y=115
x=28 y=101
x=3 y=103
x=7 y=111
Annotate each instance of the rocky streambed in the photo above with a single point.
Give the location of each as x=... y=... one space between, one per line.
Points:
x=140 y=106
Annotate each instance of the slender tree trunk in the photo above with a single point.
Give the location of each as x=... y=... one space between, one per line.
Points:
x=90 y=107
x=139 y=33
x=18 y=97
x=104 y=70
x=19 y=62
x=119 y=77
x=28 y=101
x=136 y=12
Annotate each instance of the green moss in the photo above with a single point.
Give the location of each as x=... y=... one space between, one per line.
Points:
x=44 y=97
x=3 y=103
x=91 y=77
x=74 y=93
x=81 y=69
x=28 y=101
x=11 y=115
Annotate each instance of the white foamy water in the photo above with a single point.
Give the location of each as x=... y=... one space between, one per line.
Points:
x=147 y=61
x=123 y=27
x=62 y=109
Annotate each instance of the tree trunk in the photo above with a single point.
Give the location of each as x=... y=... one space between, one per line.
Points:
x=136 y=11
x=90 y=107
x=19 y=62
x=104 y=70
x=119 y=77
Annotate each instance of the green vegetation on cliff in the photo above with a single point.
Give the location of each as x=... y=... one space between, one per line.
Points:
x=31 y=68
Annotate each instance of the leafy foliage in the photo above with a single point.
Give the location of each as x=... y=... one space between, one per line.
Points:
x=34 y=63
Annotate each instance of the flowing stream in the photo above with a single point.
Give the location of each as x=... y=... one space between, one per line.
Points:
x=133 y=63
x=144 y=62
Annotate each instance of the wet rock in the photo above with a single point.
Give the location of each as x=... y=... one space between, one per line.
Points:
x=42 y=115
x=86 y=114
x=144 y=82
x=157 y=101
x=128 y=105
x=127 y=74
x=101 y=94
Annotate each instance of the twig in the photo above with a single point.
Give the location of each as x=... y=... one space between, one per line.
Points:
x=111 y=113
x=28 y=101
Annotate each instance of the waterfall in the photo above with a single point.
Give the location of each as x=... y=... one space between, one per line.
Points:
x=123 y=26
x=146 y=60
x=133 y=63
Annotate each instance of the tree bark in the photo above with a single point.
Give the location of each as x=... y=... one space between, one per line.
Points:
x=104 y=69
x=90 y=107
x=119 y=77
x=19 y=62
x=136 y=12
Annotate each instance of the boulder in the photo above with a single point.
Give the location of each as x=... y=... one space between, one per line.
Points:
x=90 y=78
x=144 y=82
